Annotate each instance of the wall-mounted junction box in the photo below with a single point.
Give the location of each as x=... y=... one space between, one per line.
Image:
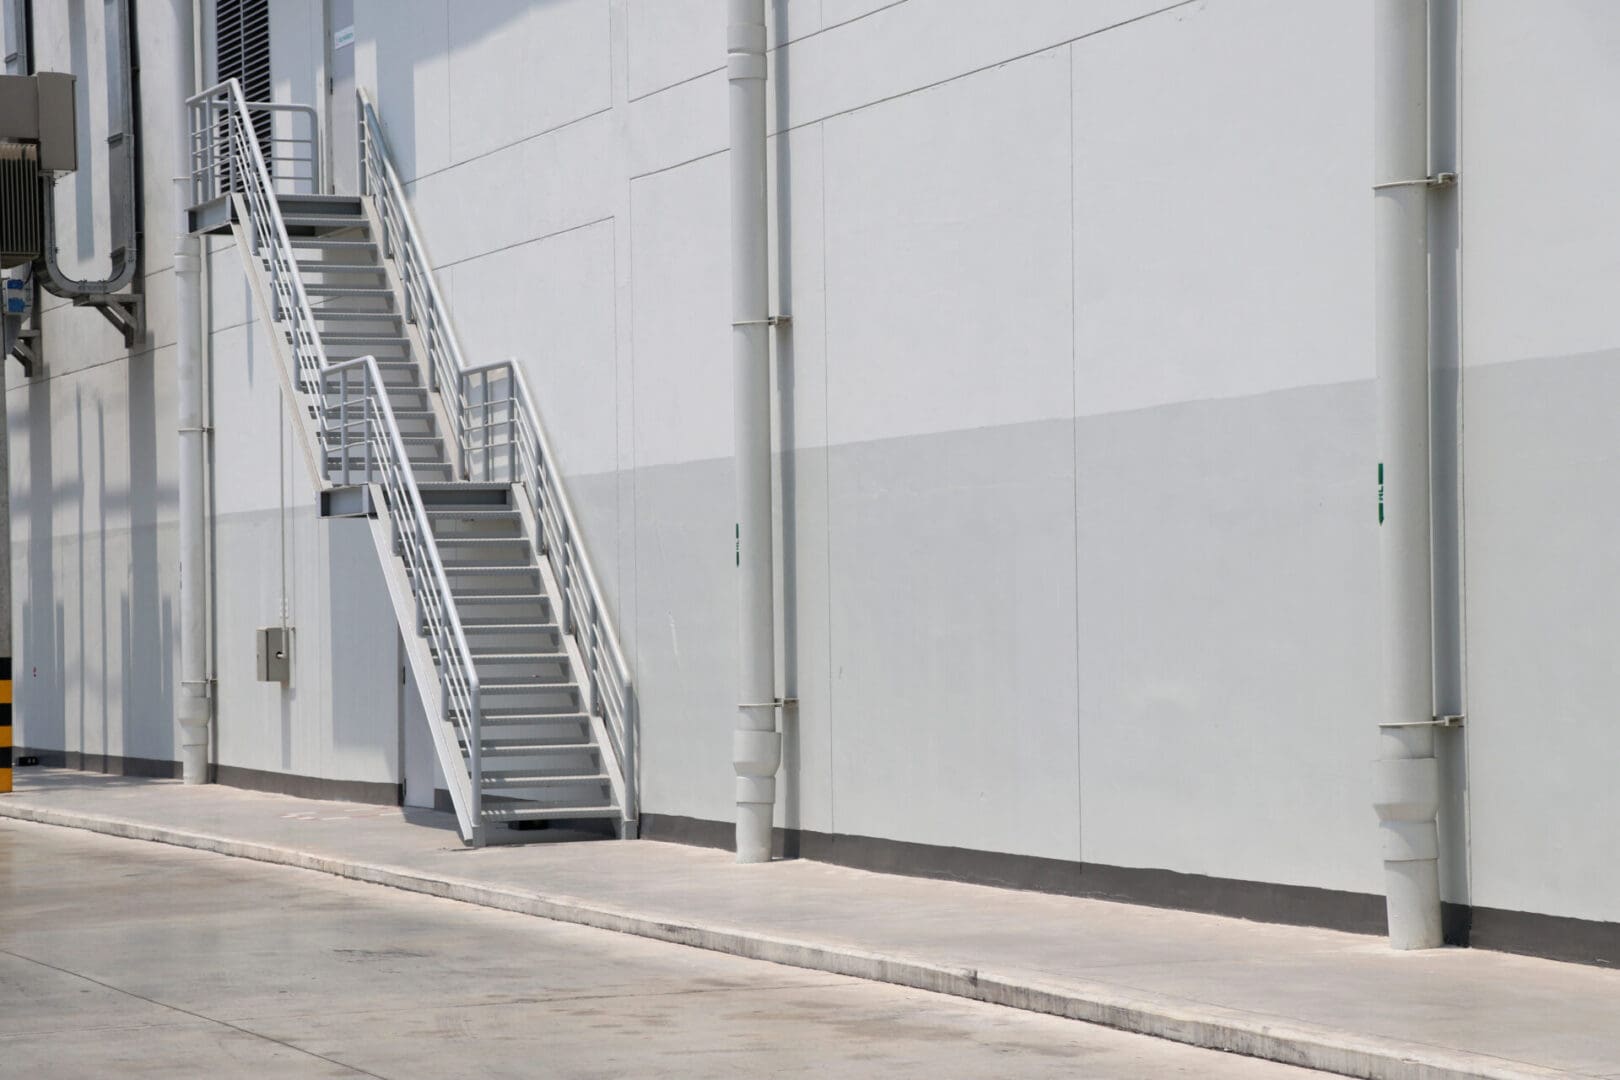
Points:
x=275 y=654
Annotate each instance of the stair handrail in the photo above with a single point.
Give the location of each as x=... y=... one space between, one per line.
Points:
x=581 y=608
x=499 y=414
x=380 y=456
x=225 y=158
x=423 y=305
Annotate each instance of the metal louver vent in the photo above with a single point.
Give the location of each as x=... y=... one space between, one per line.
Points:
x=19 y=203
x=242 y=52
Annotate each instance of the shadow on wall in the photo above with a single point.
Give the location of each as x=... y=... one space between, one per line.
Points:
x=147 y=623
x=39 y=684
x=145 y=646
x=83 y=178
x=787 y=440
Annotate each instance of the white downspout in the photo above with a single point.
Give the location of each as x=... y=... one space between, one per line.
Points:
x=195 y=699
x=756 y=749
x=1407 y=787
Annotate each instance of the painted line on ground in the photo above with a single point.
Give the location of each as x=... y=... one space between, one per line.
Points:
x=1211 y=1027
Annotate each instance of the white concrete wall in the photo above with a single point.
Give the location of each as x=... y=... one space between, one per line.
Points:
x=93 y=465
x=1077 y=532
x=1541 y=381
x=1077 y=553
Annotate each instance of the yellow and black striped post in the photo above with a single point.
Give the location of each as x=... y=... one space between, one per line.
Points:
x=5 y=724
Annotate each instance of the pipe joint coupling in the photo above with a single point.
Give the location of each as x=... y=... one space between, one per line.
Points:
x=756 y=789
x=1406 y=789
x=742 y=66
x=756 y=753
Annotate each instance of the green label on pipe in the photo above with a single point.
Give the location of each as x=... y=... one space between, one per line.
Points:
x=1380 y=493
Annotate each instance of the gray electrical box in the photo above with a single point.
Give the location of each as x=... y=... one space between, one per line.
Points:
x=275 y=654
x=39 y=109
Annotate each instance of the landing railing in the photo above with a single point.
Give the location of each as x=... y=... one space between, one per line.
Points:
x=226 y=160
x=360 y=436
x=499 y=437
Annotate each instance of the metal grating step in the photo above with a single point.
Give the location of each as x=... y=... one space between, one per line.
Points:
x=356 y=291
x=540 y=812
x=331 y=221
x=331 y=242
x=541 y=780
x=307 y=266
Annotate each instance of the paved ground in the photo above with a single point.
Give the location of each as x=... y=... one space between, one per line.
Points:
x=119 y=958
x=1338 y=1001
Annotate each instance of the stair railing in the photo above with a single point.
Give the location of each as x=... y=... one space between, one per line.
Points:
x=359 y=434
x=226 y=159
x=506 y=442
x=367 y=448
x=423 y=306
x=499 y=437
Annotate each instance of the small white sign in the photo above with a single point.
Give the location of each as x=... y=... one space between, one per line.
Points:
x=343 y=38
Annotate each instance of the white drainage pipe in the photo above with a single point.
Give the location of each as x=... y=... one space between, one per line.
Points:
x=195 y=700
x=756 y=744
x=1407 y=779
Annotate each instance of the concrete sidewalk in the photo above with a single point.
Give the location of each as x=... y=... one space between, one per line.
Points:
x=1318 y=998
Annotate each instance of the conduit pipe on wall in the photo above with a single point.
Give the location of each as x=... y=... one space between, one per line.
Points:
x=124 y=191
x=195 y=699
x=756 y=749
x=1407 y=780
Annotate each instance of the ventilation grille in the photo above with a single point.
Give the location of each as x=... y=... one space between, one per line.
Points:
x=242 y=52
x=19 y=203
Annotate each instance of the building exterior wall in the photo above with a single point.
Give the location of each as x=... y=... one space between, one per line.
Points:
x=1077 y=539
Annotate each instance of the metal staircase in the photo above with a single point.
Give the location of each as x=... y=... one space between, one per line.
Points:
x=528 y=695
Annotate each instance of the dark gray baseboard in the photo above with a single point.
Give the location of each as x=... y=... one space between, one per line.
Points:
x=109 y=764
x=308 y=787
x=305 y=787
x=1549 y=936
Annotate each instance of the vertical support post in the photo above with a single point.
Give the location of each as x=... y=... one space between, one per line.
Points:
x=1407 y=779
x=756 y=744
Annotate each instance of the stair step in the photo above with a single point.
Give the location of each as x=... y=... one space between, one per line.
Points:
x=498 y=569
x=329 y=242
x=321 y=312
x=365 y=339
x=526 y=686
x=356 y=291
x=469 y=599
x=537 y=744
x=540 y=780
x=539 y=812
x=470 y=513
x=510 y=657
x=334 y=221
x=545 y=749
x=310 y=266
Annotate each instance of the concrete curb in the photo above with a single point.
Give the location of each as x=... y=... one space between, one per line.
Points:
x=1213 y=1027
